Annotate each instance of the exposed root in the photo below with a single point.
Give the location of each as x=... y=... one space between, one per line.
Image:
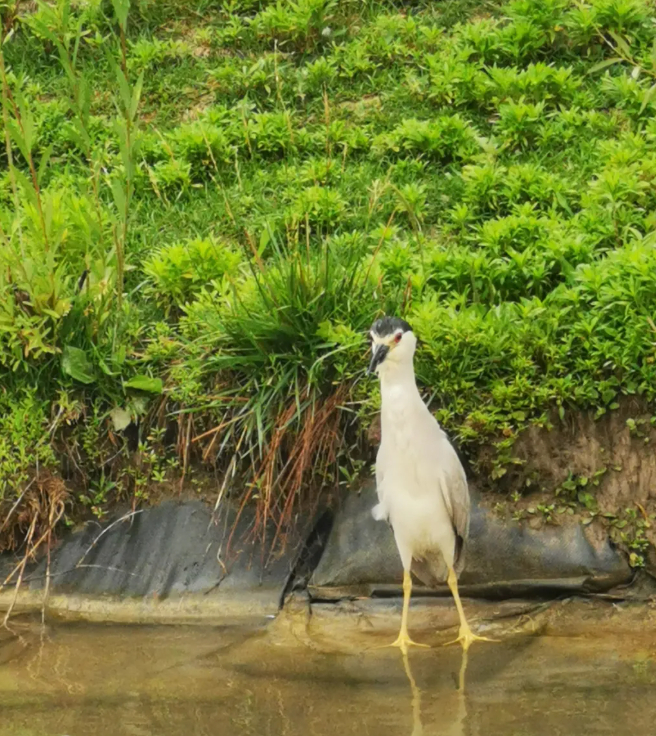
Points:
x=303 y=443
x=31 y=523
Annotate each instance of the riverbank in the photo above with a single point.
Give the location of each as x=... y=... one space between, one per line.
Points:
x=204 y=208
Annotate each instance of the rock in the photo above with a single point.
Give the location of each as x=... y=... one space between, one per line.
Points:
x=173 y=562
x=503 y=559
x=173 y=552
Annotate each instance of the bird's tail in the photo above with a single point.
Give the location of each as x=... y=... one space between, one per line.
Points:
x=432 y=569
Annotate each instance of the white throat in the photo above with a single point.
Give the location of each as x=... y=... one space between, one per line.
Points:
x=396 y=373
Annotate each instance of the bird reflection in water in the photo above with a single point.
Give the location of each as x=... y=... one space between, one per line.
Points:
x=457 y=727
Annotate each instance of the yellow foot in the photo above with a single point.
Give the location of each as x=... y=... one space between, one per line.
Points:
x=466 y=637
x=403 y=641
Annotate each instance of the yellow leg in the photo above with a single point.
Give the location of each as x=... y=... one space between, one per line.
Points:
x=403 y=640
x=465 y=635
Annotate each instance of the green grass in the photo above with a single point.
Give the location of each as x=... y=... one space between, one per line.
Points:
x=210 y=202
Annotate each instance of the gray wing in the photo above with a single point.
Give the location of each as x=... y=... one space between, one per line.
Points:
x=452 y=484
x=455 y=492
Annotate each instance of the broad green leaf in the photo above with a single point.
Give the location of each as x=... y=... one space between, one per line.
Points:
x=119 y=355
x=76 y=365
x=50 y=313
x=145 y=383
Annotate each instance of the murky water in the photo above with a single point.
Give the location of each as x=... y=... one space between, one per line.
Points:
x=97 y=680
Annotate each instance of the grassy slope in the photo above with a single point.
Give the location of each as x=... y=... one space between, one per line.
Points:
x=291 y=171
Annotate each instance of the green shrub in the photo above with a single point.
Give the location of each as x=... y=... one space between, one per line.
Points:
x=537 y=83
x=256 y=78
x=203 y=146
x=145 y=54
x=444 y=139
x=170 y=177
x=456 y=82
x=178 y=272
x=318 y=74
x=299 y=22
x=271 y=133
x=320 y=206
x=520 y=122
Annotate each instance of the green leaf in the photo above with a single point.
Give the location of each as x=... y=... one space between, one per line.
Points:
x=105 y=368
x=119 y=355
x=26 y=185
x=146 y=383
x=84 y=98
x=18 y=139
x=265 y=238
x=119 y=197
x=76 y=365
x=43 y=166
x=604 y=64
x=121 y=8
x=79 y=136
x=621 y=43
x=647 y=98
x=28 y=126
x=39 y=26
x=124 y=89
x=136 y=96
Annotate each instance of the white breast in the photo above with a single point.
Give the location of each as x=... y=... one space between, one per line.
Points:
x=409 y=472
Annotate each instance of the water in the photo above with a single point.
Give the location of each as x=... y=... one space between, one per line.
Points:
x=109 y=680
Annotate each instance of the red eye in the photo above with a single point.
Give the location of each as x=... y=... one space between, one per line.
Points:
x=398 y=336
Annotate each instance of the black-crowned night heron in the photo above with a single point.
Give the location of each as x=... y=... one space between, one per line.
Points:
x=421 y=484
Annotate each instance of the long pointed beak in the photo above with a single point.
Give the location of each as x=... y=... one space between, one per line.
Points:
x=378 y=356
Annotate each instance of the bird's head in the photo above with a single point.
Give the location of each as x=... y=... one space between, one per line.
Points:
x=392 y=343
